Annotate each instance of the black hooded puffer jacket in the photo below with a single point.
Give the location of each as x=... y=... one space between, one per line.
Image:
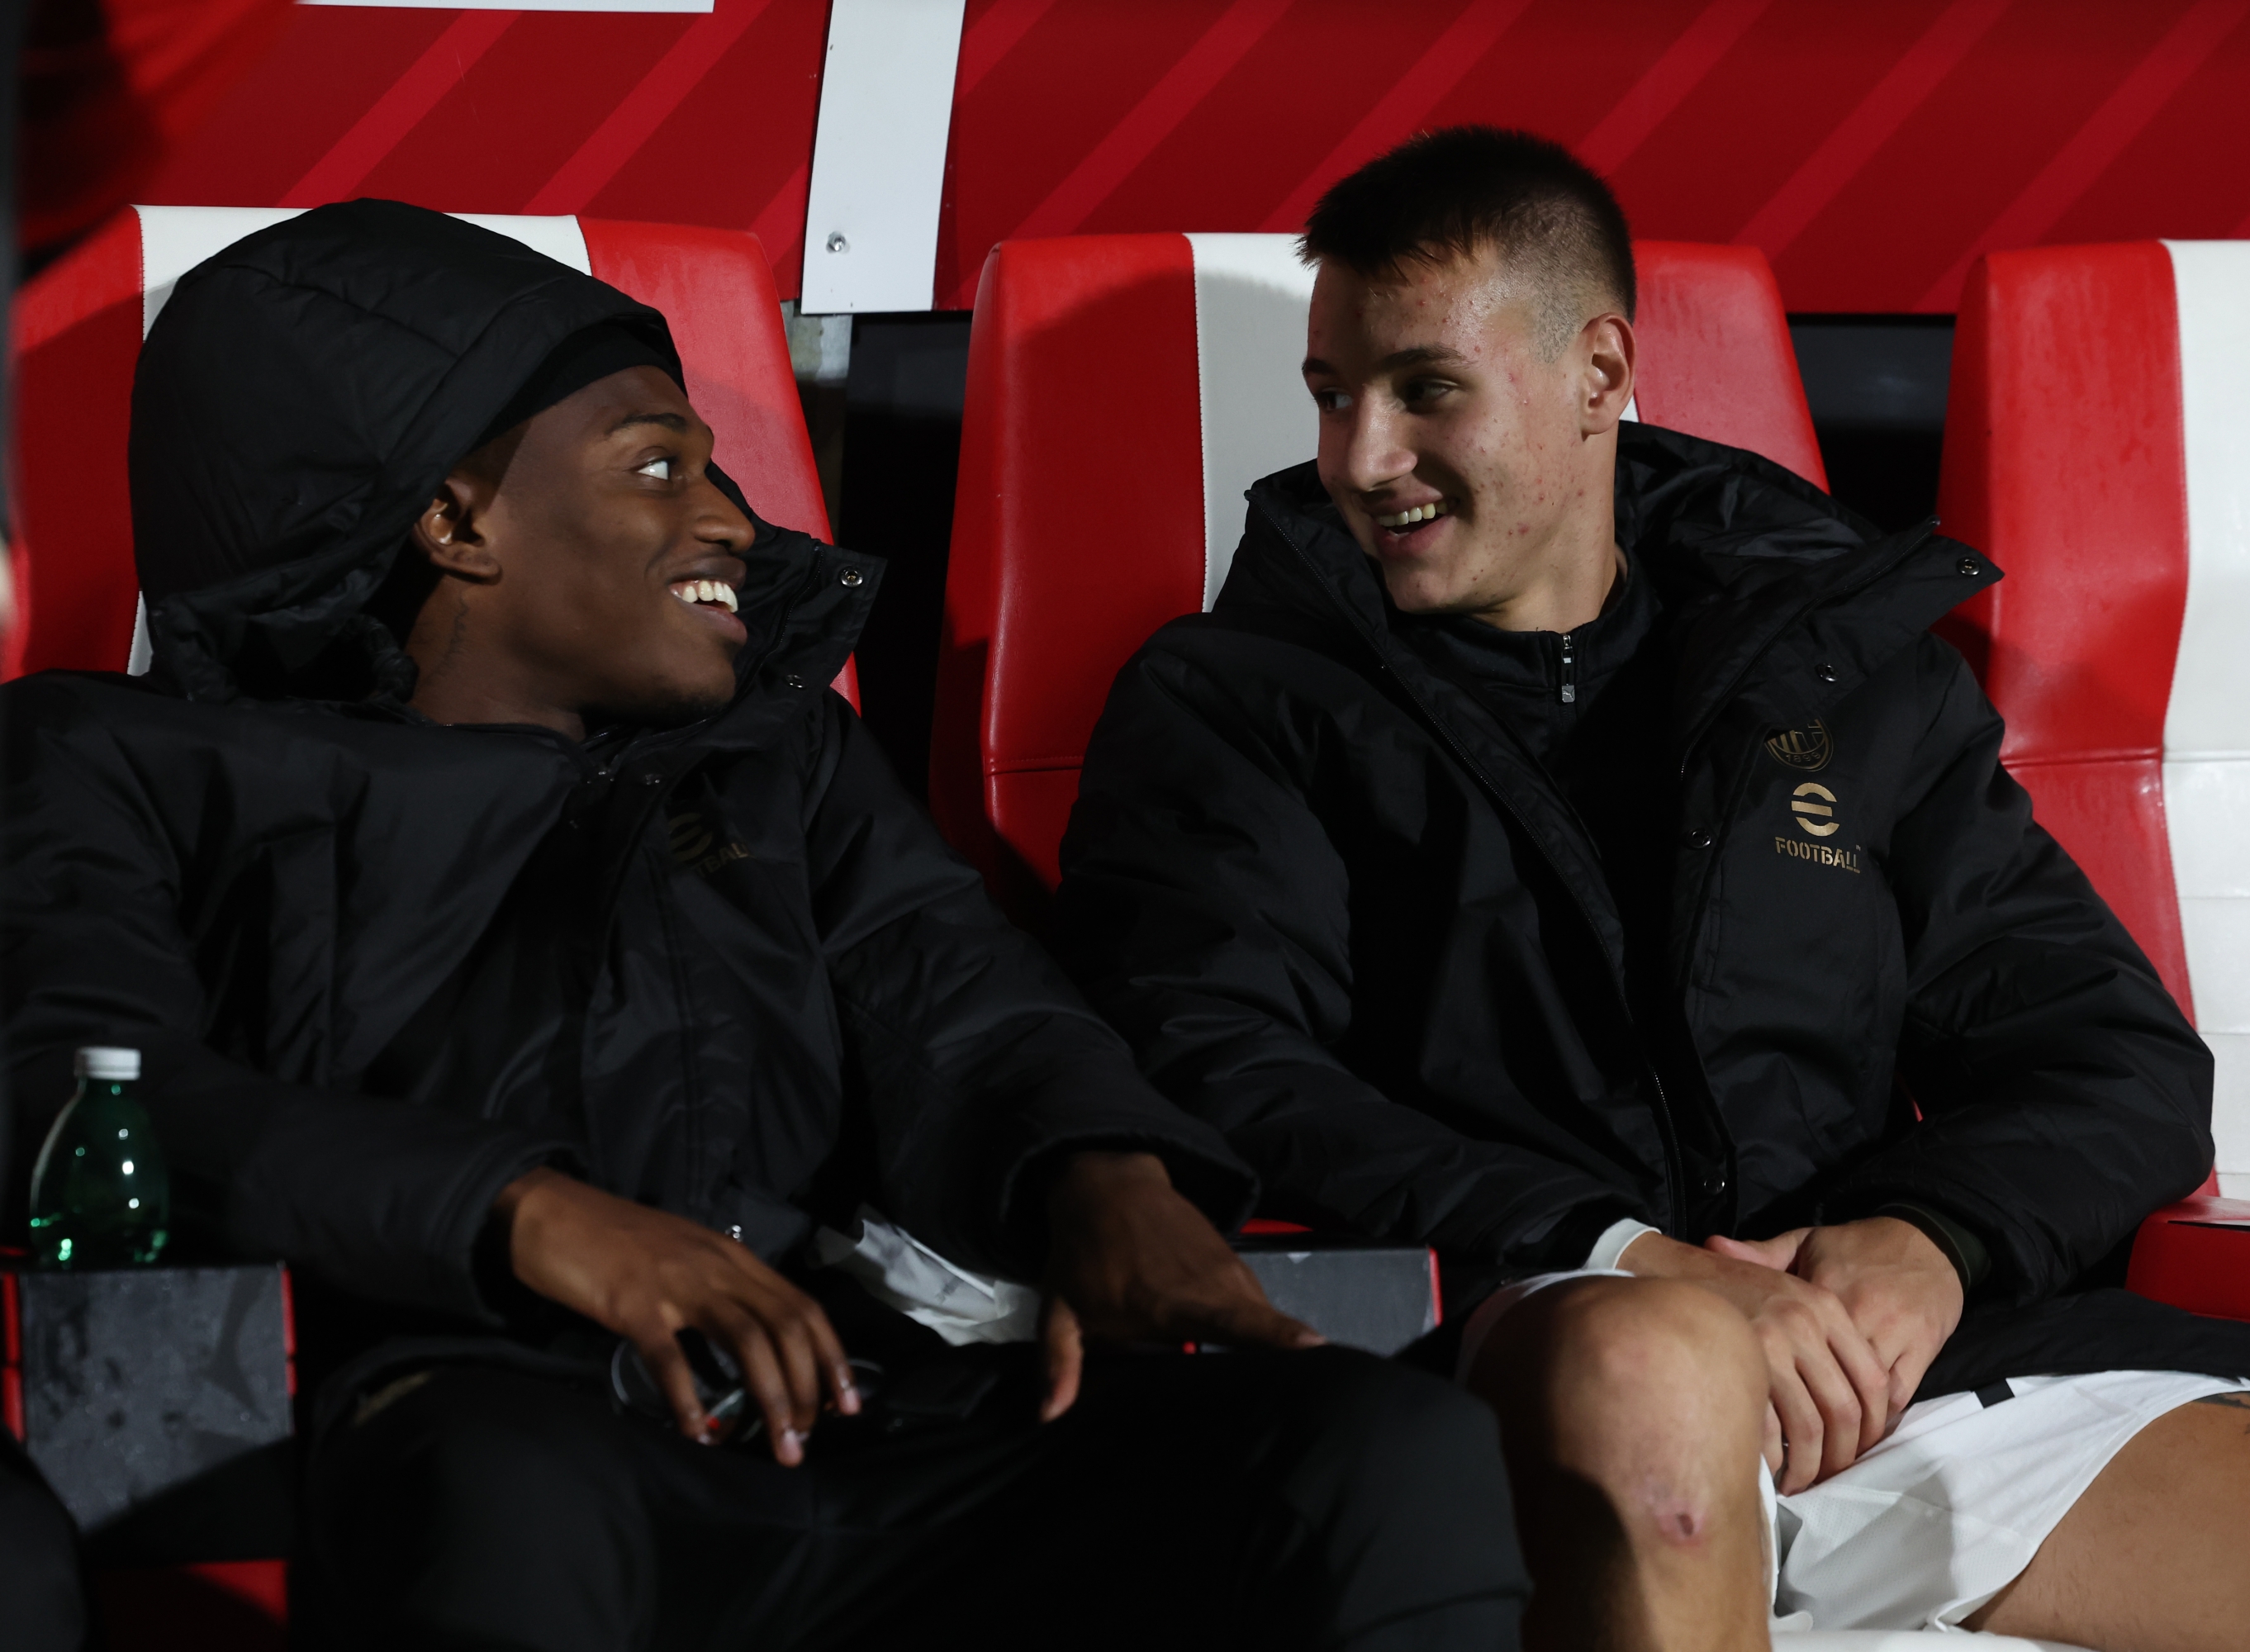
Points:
x=379 y=967
x=1342 y=914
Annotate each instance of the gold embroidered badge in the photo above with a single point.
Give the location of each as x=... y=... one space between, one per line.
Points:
x=1808 y=748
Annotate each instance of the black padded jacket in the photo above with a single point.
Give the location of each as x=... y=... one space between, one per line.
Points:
x=378 y=967
x=1343 y=915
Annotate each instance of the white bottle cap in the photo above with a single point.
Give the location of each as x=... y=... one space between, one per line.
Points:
x=99 y=1061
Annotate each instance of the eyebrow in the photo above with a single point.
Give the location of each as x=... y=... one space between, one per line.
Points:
x=670 y=421
x=1418 y=356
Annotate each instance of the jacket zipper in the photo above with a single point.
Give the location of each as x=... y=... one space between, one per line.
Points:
x=1569 y=669
x=1675 y=1169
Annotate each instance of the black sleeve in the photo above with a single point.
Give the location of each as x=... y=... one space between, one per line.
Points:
x=385 y=1200
x=1207 y=914
x=980 y=1060
x=2064 y=1096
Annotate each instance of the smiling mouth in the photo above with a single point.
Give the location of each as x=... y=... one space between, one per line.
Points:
x=705 y=593
x=1406 y=521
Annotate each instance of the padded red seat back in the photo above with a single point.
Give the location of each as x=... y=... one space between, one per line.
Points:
x=78 y=332
x=2097 y=444
x=1123 y=392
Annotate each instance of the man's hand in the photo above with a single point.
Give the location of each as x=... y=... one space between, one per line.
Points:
x=648 y=1276
x=1899 y=1289
x=1828 y=1390
x=1131 y=1260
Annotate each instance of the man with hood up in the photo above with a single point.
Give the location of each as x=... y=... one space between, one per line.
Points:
x=524 y=945
x=1564 y=844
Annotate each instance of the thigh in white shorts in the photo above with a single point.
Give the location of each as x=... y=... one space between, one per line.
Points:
x=1950 y=1507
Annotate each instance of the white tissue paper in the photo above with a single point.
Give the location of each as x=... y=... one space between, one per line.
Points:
x=898 y=1270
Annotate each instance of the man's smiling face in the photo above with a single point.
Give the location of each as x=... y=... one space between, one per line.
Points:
x=1474 y=466
x=595 y=564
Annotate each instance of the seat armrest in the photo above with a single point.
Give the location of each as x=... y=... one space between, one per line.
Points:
x=2196 y=1255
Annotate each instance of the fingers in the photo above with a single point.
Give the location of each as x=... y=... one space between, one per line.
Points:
x=1830 y=1393
x=1802 y=1427
x=835 y=1366
x=1841 y=1418
x=1064 y=1348
x=1244 y=1324
x=1864 y=1369
x=662 y=1355
x=765 y=1378
x=1779 y=1252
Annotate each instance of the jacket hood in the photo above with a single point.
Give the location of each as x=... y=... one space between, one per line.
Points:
x=298 y=401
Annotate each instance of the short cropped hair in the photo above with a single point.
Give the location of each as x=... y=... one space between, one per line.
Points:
x=1457 y=191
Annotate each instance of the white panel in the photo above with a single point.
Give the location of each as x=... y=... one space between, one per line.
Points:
x=879 y=154
x=559 y=238
x=526 y=6
x=2218 y=936
x=2207 y=813
x=2210 y=710
x=1252 y=295
x=2207 y=723
x=174 y=239
x=2230 y=1101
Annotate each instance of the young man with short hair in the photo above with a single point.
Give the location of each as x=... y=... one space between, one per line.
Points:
x=1564 y=844
x=523 y=943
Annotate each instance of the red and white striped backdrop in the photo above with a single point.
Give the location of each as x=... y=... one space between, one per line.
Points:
x=1871 y=149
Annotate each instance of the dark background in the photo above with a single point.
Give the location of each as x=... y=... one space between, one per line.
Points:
x=1876 y=384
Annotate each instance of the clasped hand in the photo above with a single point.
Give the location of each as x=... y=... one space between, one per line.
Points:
x=1128 y=1260
x=1849 y=1318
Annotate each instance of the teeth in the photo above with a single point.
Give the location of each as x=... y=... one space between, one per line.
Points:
x=692 y=592
x=1408 y=518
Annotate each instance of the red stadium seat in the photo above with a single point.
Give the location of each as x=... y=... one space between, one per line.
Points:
x=1162 y=371
x=78 y=330
x=2098 y=446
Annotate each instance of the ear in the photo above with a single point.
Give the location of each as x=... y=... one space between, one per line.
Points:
x=1606 y=348
x=452 y=531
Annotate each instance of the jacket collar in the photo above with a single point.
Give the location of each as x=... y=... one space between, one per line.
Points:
x=1777 y=595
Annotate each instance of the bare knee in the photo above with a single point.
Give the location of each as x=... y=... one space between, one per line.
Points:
x=1652 y=1389
x=1650 y=1344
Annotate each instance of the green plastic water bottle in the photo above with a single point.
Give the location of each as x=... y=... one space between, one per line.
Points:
x=100 y=1196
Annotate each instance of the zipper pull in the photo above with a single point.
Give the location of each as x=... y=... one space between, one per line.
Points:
x=1569 y=669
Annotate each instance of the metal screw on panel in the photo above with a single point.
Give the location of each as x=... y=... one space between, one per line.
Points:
x=837 y=243
x=1970 y=566
x=852 y=577
x=794 y=680
x=1826 y=672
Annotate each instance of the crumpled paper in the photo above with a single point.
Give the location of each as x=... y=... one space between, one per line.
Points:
x=900 y=1271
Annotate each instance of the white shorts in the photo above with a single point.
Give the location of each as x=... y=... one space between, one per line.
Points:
x=1950 y=1507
